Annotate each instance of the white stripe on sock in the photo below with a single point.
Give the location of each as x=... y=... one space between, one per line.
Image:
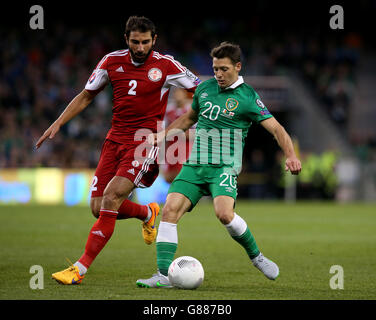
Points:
x=149 y=215
x=82 y=269
x=237 y=226
x=167 y=232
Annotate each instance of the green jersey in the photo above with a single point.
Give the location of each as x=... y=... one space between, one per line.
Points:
x=224 y=117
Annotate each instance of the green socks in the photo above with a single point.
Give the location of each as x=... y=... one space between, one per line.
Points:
x=240 y=232
x=165 y=255
x=167 y=241
x=248 y=242
x=166 y=250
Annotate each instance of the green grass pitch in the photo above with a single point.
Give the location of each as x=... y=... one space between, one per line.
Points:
x=304 y=239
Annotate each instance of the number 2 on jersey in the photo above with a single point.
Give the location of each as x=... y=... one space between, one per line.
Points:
x=133 y=85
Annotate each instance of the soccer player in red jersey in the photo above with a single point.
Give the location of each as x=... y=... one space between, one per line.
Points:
x=180 y=148
x=141 y=79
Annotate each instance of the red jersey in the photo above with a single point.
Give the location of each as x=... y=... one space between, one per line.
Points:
x=140 y=91
x=172 y=112
x=179 y=157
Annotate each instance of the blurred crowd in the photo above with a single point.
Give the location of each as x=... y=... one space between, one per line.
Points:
x=261 y=180
x=41 y=71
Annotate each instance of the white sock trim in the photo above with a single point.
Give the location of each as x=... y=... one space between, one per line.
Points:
x=237 y=226
x=82 y=269
x=149 y=215
x=167 y=232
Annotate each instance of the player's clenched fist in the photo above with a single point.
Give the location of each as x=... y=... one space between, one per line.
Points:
x=293 y=164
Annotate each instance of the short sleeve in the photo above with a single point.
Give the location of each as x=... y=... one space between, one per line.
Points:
x=99 y=78
x=258 y=110
x=181 y=77
x=195 y=103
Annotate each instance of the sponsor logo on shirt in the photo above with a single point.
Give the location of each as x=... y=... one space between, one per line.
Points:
x=131 y=171
x=227 y=114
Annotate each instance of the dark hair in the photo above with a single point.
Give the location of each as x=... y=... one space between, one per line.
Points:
x=227 y=50
x=141 y=24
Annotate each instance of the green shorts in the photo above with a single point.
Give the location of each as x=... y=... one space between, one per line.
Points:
x=194 y=182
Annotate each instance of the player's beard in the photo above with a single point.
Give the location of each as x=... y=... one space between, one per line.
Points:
x=140 y=59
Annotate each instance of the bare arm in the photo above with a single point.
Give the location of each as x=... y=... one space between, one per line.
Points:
x=79 y=103
x=183 y=123
x=284 y=141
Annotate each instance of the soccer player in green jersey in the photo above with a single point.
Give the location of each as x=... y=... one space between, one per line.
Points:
x=224 y=108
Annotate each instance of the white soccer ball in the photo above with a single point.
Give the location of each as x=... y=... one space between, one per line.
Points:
x=186 y=273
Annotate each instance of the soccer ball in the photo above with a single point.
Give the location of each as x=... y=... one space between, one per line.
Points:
x=186 y=273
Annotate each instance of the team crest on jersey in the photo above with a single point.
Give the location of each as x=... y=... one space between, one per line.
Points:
x=155 y=74
x=135 y=163
x=231 y=104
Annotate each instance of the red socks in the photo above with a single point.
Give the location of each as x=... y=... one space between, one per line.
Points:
x=99 y=235
x=129 y=209
x=103 y=228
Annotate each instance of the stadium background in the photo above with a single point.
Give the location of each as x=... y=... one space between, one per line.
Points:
x=315 y=80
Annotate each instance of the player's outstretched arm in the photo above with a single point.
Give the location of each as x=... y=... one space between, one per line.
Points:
x=284 y=141
x=79 y=103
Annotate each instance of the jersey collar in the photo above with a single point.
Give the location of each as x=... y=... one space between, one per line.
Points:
x=236 y=84
x=138 y=64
